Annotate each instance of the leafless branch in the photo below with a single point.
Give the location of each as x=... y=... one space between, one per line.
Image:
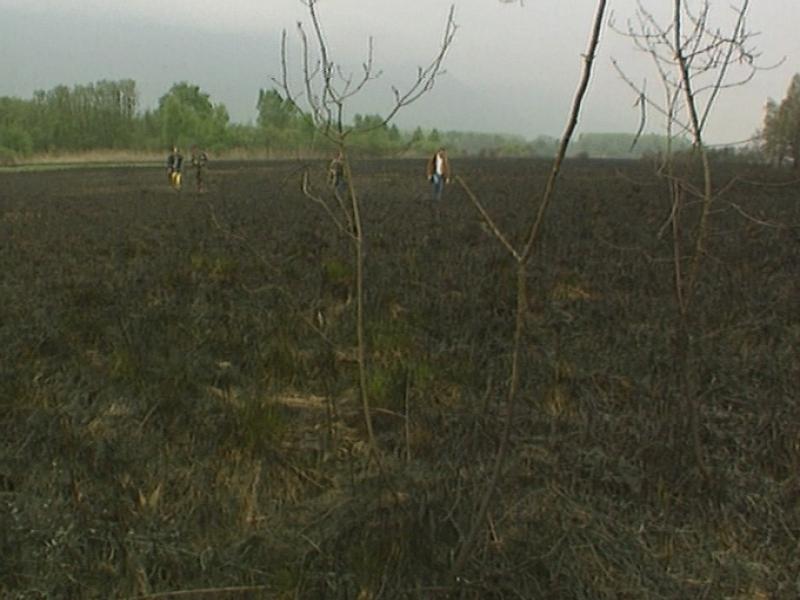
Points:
x=642 y=103
x=328 y=88
x=488 y=219
x=522 y=259
x=756 y=220
x=308 y=193
x=309 y=74
x=566 y=138
x=667 y=110
x=215 y=592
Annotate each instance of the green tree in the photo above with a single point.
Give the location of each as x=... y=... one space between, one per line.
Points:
x=417 y=137
x=113 y=111
x=187 y=116
x=375 y=136
x=15 y=139
x=276 y=112
x=95 y=115
x=283 y=125
x=60 y=118
x=781 y=133
x=16 y=126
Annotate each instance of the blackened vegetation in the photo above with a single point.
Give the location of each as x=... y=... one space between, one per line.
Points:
x=178 y=404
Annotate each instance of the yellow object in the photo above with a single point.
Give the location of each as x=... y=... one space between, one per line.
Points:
x=176 y=180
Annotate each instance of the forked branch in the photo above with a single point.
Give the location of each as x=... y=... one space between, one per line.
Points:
x=327 y=87
x=522 y=259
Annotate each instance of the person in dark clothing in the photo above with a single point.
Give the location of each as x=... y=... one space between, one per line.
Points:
x=174 y=165
x=171 y=164
x=199 y=161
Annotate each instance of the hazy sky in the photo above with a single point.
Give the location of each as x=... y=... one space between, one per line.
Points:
x=512 y=68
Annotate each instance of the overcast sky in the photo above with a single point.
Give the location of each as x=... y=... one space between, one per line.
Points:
x=513 y=67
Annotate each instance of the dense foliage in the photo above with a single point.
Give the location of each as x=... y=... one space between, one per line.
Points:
x=178 y=406
x=101 y=115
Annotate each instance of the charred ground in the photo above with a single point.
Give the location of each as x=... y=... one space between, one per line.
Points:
x=178 y=406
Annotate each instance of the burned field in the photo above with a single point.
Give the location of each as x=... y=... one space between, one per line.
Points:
x=179 y=406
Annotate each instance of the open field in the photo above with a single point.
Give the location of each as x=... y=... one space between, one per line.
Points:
x=178 y=404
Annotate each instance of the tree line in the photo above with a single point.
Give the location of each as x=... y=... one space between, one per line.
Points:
x=106 y=115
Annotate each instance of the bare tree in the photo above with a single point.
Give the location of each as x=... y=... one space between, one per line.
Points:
x=522 y=257
x=695 y=62
x=325 y=90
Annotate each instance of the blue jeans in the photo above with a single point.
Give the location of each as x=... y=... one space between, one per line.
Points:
x=438 y=186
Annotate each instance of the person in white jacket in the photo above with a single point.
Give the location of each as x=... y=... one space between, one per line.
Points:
x=438 y=172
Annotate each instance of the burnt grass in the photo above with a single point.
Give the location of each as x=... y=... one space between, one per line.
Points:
x=179 y=411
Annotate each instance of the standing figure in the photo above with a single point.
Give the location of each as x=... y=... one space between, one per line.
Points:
x=199 y=161
x=174 y=165
x=438 y=172
x=336 y=178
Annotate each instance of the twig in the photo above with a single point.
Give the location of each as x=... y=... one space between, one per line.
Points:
x=753 y=219
x=201 y=592
x=306 y=188
x=488 y=219
x=588 y=62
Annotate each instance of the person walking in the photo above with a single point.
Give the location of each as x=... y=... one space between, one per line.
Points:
x=174 y=165
x=336 y=177
x=199 y=161
x=438 y=172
